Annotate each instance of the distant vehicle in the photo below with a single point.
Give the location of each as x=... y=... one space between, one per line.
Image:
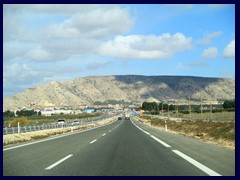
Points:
x=61 y=122
x=75 y=122
x=119 y=118
x=127 y=115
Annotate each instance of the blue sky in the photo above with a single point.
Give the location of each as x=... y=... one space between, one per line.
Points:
x=44 y=43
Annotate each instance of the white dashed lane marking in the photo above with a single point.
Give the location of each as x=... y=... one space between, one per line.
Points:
x=58 y=162
x=93 y=141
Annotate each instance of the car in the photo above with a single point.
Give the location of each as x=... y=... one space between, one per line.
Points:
x=75 y=122
x=119 y=118
x=61 y=122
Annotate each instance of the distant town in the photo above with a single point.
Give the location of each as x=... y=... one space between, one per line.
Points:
x=104 y=107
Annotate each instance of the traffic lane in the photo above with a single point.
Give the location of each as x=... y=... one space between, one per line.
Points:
x=75 y=166
x=126 y=151
x=32 y=159
x=220 y=159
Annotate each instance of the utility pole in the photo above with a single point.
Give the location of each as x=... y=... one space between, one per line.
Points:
x=162 y=108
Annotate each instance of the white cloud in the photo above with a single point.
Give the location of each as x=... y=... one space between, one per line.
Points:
x=15 y=49
x=146 y=47
x=229 y=51
x=57 y=8
x=208 y=37
x=18 y=77
x=60 y=37
x=38 y=54
x=210 y=53
x=98 y=23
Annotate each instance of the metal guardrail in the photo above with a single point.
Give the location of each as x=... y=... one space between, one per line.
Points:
x=24 y=129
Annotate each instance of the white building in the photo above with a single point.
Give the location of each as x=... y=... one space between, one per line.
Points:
x=47 y=112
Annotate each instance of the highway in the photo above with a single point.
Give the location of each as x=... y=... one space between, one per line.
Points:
x=122 y=148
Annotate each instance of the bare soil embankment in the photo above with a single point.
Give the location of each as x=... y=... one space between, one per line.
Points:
x=35 y=135
x=221 y=133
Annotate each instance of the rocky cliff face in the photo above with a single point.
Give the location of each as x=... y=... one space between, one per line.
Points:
x=128 y=88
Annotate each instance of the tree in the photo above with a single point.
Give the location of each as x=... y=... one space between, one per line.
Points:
x=8 y=113
x=229 y=104
x=172 y=107
x=152 y=107
x=25 y=112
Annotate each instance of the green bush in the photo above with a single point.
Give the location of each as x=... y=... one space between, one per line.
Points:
x=23 y=121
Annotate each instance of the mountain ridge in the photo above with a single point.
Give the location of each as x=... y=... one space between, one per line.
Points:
x=126 y=88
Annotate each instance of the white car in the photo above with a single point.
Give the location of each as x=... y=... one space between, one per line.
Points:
x=75 y=122
x=61 y=122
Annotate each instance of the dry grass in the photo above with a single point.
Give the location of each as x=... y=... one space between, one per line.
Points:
x=29 y=136
x=221 y=133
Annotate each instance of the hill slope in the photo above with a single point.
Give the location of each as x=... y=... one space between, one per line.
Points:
x=128 y=88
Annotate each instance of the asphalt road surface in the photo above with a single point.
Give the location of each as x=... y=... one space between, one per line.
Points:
x=122 y=148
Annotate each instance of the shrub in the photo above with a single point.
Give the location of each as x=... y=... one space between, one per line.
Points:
x=23 y=121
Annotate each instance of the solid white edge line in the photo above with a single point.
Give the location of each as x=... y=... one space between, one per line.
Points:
x=197 y=164
x=146 y=132
x=160 y=141
x=104 y=134
x=58 y=162
x=93 y=141
x=141 y=129
x=51 y=138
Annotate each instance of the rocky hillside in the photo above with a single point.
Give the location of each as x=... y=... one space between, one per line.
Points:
x=128 y=88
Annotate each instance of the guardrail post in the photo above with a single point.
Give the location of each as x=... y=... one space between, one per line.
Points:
x=30 y=128
x=25 y=129
x=18 y=128
x=166 y=126
x=6 y=130
x=13 y=130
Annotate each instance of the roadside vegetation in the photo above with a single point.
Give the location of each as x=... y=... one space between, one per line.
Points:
x=222 y=133
x=212 y=123
x=35 y=119
x=220 y=112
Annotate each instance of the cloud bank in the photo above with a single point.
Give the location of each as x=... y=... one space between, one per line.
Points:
x=146 y=47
